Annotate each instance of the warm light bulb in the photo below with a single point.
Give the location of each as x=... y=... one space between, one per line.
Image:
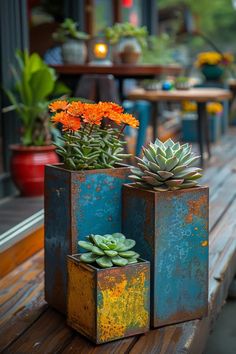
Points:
x=100 y=50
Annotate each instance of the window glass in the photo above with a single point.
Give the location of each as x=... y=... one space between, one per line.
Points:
x=102 y=15
x=131 y=11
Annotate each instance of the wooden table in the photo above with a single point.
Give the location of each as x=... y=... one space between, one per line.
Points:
x=200 y=95
x=121 y=71
x=28 y=325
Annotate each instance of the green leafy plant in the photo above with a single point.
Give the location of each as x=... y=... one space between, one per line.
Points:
x=159 y=50
x=68 y=30
x=126 y=29
x=34 y=83
x=108 y=250
x=166 y=166
x=182 y=80
x=89 y=139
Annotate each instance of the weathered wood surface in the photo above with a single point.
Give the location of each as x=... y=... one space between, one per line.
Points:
x=119 y=70
x=195 y=94
x=28 y=325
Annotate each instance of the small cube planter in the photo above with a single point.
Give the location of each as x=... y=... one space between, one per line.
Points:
x=76 y=203
x=189 y=127
x=108 y=304
x=171 y=231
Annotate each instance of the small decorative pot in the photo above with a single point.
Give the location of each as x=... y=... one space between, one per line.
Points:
x=212 y=72
x=182 y=86
x=74 y=51
x=108 y=304
x=77 y=203
x=171 y=231
x=27 y=167
x=129 y=50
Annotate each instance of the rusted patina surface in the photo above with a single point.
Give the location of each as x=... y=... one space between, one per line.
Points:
x=171 y=231
x=108 y=304
x=76 y=204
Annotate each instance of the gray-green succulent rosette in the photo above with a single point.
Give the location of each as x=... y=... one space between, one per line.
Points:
x=108 y=250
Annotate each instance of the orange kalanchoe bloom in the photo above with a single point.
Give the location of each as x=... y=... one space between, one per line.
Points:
x=70 y=115
x=68 y=122
x=108 y=107
x=76 y=108
x=58 y=106
x=72 y=124
x=92 y=114
x=130 y=120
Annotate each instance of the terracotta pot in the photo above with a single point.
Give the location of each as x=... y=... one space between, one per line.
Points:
x=27 y=167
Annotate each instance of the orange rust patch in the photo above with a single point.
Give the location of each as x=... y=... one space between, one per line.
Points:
x=204 y=243
x=195 y=208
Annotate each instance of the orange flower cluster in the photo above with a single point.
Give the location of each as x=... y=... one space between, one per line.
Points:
x=71 y=115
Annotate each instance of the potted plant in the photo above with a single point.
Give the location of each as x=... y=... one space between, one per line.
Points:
x=108 y=289
x=182 y=83
x=34 y=83
x=166 y=212
x=212 y=64
x=129 y=41
x=83 y=193
x=74 y=50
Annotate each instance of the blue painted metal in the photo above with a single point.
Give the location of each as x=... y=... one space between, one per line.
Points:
x=76 y=204
x=189 y=127
x=171 y=231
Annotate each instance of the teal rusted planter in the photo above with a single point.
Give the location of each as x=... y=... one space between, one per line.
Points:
x=171 y=231
x=76 y=204
x=108 y=304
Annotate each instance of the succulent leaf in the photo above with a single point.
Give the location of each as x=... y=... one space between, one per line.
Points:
x=119 y=261
x=166 y=166
x=165 y=174
x=127 y=245
x=97 y=250
x=161 y=160
x=104 y=262
x=86 y=245
x=111 y=253
x=88 y=257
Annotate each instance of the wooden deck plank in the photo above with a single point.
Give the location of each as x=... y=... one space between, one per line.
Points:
x=21 y=299
x=29 y=326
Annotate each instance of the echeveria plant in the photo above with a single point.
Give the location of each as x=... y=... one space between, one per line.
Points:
x=108 y=250
x=167 y=166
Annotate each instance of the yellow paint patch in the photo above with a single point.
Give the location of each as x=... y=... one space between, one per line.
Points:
x=121 y=306
x=81 y=304
x=204 y=243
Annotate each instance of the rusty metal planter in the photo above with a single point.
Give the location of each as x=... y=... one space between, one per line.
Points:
x=108 y=304
x=76 y=204
x=171 y=231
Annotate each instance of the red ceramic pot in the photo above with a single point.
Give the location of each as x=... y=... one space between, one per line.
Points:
x=27 y=167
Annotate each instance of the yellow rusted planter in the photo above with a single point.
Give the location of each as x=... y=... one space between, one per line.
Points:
x=108 y=304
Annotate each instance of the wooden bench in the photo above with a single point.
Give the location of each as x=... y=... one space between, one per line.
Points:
x=28 y=325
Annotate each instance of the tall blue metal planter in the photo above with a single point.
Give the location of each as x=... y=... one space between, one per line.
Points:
x=171 y=231
x=76 y=204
